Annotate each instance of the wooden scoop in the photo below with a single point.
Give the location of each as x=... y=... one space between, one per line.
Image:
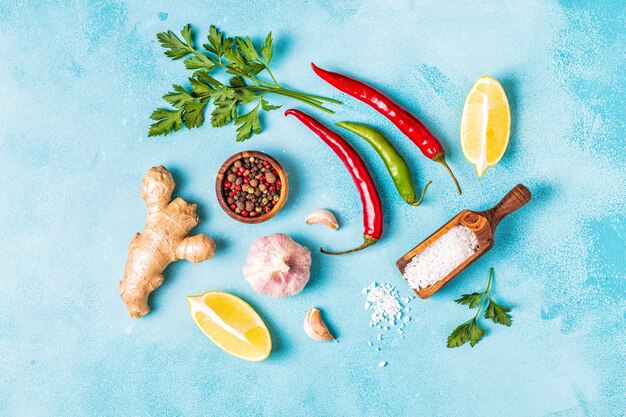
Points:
x=482 y=223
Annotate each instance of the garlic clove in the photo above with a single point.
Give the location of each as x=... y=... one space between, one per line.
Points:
x=315 y=328
x=324 y=217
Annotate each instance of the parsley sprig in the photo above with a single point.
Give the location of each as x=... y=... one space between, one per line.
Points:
x=470 y=331
x=239 y=100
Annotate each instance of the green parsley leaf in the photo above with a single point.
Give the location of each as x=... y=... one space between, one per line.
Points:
x=498 y=314
x=460 y=335
x=223 y=93
x=249 y=124
x=250 y=69
x=168 y=121
x=179 y=97
x=200 y=88
x=176 y=49
x=476 y=333
x=267 y=106
x=215 y=41
x=245 y=96
x=223 y=113
x=205 y=78
x=199 y=61
x=247 y=48
x=234 y=56
x=470 y=299
x=237 y=82
x=468 y=332
x=193 y=115
x=266 y=49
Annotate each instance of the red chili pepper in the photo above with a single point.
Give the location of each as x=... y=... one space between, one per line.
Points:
x=372 y=207
x=410 y=125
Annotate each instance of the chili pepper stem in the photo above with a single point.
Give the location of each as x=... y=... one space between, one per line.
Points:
x=418 y=202
x=441 y=158
x=367 y=241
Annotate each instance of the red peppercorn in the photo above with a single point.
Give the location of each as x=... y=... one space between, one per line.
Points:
x=267 y=184
x=252 y=213
x=272 y=188
x=237 y=187
x=278 y=183
x=239 y=174
x=267 y=209
x=226 y=184
x=233 y=206
x=274 y=202
x=242 y=169
x=244 y=213
x=233 y=193
x=262 y=178
x=246 y=180
x=274 y=172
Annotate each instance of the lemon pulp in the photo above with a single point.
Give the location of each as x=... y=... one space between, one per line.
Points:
x=485 y=124
x=231 y=324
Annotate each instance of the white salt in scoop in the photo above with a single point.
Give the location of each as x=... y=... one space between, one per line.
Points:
x=458 y=243
x=441 y=257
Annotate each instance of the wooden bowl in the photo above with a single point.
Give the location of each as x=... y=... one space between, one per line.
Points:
x=220 y=193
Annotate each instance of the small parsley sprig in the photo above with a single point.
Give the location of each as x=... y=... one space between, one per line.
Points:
x=237 y=56
x=470 y=331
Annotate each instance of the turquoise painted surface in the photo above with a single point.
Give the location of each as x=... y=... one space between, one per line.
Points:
x=79 y=80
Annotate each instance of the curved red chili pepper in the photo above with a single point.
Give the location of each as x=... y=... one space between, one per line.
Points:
x=410 y=125
x=372 y=207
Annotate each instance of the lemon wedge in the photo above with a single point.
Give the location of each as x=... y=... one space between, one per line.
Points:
x=231 y=324
x=486 y=124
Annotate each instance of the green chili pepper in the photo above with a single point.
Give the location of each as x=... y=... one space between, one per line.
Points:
x=396 y=165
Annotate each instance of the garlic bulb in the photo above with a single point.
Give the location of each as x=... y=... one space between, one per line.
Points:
x=277 y=266
x=315 y=327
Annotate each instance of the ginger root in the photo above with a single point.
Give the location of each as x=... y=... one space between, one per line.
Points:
x=163 y=240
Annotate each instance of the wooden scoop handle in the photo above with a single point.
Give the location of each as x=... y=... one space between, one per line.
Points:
x=513 y=200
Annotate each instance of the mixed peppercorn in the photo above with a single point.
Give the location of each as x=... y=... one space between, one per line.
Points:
x=251 y=186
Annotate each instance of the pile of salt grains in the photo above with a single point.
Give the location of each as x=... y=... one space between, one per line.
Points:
x=389 y=311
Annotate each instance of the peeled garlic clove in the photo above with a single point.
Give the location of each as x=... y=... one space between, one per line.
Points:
x=315 y=328
x=324 y=217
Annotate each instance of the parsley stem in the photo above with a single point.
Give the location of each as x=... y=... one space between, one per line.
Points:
x=269 y=71
x=489 y=282
x=486 y=294
x=301 y=97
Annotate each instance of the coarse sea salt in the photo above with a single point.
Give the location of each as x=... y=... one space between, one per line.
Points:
x=441 y=257
x=384 y=303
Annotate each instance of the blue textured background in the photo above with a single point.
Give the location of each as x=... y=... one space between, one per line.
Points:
x=78 y=81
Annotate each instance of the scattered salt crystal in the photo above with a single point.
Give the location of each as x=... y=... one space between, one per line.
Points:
x=441 y=257
x=382 y=364
x=376 y=349
x=379 y=336
x=369 y=343
x=407 y=319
